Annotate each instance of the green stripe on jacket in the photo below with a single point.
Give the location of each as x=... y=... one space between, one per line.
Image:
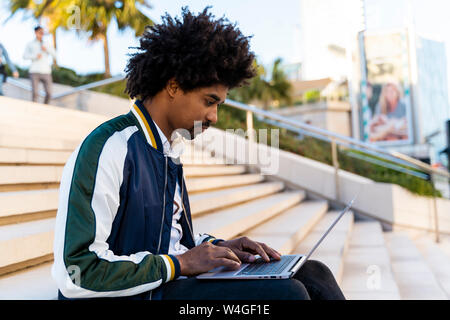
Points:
x=99 y=274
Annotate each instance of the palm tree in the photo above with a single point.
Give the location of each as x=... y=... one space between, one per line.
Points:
x=262 y=91
x=279 y=86
x=97 y=15
x=94 y=17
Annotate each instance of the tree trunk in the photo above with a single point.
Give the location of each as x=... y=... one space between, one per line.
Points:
x=54 y=44
x=104 y=39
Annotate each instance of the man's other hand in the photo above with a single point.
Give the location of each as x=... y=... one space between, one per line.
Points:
x=245 y=249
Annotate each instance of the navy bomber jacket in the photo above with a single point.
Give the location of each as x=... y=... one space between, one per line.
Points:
x=115 y=210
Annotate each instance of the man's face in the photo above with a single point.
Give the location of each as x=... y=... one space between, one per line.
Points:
x=198 y=105
x=39 y=34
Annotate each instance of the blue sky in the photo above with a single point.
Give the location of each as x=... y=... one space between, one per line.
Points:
x=272 y=25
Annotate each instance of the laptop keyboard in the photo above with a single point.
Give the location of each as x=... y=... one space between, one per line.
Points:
x=260 y=267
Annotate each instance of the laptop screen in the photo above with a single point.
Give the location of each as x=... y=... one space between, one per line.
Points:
x=349 y=205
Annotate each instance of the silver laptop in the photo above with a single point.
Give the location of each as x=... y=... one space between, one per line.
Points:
x=275 y=269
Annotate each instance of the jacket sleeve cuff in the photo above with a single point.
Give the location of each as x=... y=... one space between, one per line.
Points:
x=215 y=241
x=172 y=267
x=212 y=239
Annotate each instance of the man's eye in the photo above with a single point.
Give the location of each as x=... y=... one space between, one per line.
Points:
x=209 y=103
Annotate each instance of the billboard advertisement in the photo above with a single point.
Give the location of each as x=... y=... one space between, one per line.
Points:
x=385 y=99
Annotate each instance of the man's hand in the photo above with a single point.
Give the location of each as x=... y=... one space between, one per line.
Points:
x=206 y=257
x=15 y=74
x=245 y=249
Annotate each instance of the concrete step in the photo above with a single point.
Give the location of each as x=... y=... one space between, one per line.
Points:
x=437 y=260
x=444 y=243
x=26 y=117
x=40 y=232
x=414 y=234
x=41 y=129
x=213 y=183
x=333 y=248
x=367 y=266
x=25 y=141
x=41 y=235
x=202 y=178
x=30 y=174
x=30 y=156
x=229 y=223
x=34 y=283
x=22 y=206
x=199 y=158
x=193 y=154
x=213 y=200
x=415 y=279
x=13 y=204
x=24 y=242
x=212 y=170
x=286 y=230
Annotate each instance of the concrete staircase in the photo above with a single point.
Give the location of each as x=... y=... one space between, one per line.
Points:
x=226 y=200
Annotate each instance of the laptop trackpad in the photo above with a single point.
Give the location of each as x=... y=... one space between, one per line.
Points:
x=225 y=271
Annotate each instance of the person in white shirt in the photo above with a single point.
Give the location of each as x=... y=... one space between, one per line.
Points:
x=40 y=70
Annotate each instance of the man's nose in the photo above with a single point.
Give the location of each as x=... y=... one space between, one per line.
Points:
x=212 y=116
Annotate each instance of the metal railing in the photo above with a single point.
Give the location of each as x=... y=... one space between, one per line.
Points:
x=71 y=91
x=22 y=85
x=335 y=139
x=88 y=86
x=318 y=133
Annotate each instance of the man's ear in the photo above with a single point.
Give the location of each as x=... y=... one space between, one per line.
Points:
x=172 y=88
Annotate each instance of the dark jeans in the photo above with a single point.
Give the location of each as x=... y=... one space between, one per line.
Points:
x=314 y=281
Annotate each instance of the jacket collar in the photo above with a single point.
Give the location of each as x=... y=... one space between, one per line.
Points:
x=174 y=149
x=147 y=125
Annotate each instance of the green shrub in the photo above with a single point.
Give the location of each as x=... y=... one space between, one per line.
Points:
x=312 y=96
x=309 y=147
x=115 y=88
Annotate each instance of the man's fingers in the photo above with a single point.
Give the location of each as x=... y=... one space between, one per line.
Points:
x=271 y=252
x=262 y=249
x=255 y=247
x=227 y=258
x=224 y=252
x=244 y=256
x=231 y=264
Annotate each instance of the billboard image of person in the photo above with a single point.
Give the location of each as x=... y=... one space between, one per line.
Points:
x=387 y=89
x=389 y=119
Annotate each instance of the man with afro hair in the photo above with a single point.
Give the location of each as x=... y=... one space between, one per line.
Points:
x=124 y=227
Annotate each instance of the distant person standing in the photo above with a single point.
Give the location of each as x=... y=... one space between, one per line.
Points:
x=4 y=59
x=40 y=70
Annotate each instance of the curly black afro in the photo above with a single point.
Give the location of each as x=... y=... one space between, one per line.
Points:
x=197 y=52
